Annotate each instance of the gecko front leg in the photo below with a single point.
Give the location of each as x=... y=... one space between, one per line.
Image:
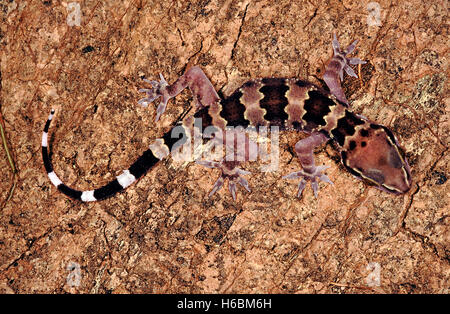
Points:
x=310 y=172
x=194 y=78
x=334 y=72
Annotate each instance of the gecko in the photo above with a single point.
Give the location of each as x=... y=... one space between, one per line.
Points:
x=368 y=150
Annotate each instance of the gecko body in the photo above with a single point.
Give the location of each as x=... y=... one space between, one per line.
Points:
x=369 y=151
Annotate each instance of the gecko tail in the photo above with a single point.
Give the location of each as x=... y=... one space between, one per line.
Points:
x=144 y=163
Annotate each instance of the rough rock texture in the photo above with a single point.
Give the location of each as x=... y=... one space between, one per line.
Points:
x=164 y=235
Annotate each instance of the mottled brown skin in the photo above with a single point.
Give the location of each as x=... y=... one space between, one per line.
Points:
x=369 y=151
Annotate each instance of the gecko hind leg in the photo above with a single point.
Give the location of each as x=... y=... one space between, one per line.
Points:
x=239 y=148
x=310 y=172
x=229 y=170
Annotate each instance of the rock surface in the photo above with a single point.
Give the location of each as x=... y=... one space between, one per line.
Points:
x=163 y=234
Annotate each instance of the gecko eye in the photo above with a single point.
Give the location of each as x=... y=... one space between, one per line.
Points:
x=377 y=158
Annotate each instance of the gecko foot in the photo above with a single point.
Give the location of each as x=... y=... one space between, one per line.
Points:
x=158 y=89
x=338 y=52
x=334 y=72
x=230 y=171
x=316 y=174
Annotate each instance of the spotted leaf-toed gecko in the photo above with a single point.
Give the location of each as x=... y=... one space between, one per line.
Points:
x=369 y=151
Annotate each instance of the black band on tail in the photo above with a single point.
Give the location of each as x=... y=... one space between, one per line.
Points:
x=129 y=176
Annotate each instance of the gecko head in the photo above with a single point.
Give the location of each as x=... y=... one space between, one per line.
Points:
x=375 y=156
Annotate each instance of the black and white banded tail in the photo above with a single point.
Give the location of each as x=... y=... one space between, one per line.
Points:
x=157 y=151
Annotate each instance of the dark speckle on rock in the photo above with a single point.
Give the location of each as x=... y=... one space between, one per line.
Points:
x=87 y=49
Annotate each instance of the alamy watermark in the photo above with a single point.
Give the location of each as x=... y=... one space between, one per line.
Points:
x=232 y=144
x=374 y=277
x=374 y=17
x=74 y=277
x=74 y=16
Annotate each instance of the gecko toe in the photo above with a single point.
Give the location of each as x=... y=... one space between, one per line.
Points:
x=217 y=186
x=354 y=61
x=301 y=187
x=315 y=176
x=350 y=71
